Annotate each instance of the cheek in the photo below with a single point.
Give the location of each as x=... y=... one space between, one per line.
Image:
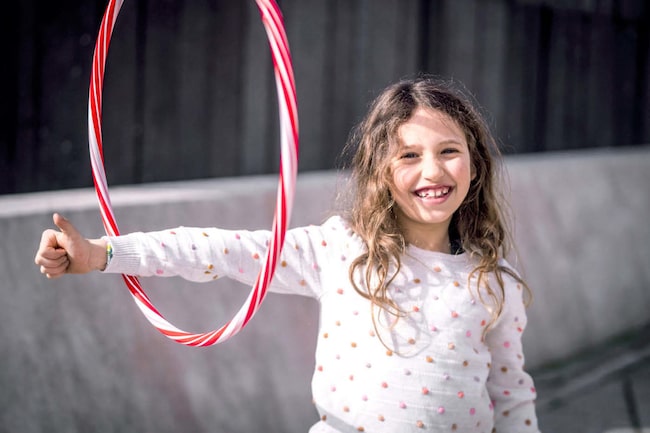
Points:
x=462 y=171
x=400 y=179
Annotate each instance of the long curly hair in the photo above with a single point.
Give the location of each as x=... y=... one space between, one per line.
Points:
x=479 y=224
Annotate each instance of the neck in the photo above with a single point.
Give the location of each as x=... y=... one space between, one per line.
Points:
x=431 y=240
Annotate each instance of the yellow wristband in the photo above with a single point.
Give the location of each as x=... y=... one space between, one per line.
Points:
x=109 y=253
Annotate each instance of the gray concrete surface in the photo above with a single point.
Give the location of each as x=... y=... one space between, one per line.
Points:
x=78 y=356
x=604 y=388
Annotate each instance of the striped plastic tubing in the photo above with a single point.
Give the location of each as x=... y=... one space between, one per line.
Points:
x=288 y=117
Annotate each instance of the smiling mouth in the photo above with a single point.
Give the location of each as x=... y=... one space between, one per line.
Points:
x=433 y=192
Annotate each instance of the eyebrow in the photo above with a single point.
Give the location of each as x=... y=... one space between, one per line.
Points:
x=444 y=142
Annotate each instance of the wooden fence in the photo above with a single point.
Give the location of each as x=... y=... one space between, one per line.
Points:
x=189 y=88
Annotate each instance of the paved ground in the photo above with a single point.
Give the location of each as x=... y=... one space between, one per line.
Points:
x=606 y=390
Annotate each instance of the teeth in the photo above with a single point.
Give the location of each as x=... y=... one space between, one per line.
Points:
x=433 y=193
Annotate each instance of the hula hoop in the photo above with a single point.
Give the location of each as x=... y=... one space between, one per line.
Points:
x=288 y=117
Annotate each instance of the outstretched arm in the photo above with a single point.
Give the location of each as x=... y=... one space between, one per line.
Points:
x=67 y=252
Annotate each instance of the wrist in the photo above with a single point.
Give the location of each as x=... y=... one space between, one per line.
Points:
x=98 y=254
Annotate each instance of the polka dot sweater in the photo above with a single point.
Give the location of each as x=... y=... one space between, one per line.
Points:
x=436 y=372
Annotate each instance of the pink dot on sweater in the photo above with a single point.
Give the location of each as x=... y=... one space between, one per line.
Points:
x=506 y=344
x=402 y=405
x=441 y=410
x=472 y=411
x=159 y=271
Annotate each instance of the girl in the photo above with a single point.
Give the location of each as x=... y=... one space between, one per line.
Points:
x=421 y=316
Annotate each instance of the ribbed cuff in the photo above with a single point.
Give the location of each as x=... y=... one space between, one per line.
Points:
x=126 y=257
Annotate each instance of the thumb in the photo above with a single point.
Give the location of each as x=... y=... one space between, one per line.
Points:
x=65 y=226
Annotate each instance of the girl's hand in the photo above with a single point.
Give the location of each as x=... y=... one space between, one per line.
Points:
x=67 y=251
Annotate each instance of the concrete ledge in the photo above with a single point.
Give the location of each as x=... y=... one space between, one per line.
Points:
x=584 y=240
x=78 y=356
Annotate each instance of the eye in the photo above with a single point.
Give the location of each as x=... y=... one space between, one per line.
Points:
x=449 y=150
x=408 y=155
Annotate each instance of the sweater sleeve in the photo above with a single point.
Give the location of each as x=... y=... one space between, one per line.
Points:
x=206 y=254
x=511 y=389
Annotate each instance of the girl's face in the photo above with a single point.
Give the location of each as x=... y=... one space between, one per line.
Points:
x=431 y=175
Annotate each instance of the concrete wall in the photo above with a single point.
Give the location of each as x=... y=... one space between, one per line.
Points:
x=76 y=355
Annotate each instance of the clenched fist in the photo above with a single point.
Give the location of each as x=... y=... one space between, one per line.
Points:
x=67 y=251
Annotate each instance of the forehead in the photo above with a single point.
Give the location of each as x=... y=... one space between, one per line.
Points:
x=429 y=126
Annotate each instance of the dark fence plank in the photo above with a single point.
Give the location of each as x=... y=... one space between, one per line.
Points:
x=190 y=90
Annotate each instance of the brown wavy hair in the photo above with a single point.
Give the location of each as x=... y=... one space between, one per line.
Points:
x=479 y=224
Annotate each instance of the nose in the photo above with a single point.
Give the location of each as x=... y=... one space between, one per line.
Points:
x=431 y=168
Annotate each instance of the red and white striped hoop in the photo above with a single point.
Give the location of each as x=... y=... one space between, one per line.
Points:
x=274 y=26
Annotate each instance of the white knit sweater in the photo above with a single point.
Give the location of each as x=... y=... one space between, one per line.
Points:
x=435 y=372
